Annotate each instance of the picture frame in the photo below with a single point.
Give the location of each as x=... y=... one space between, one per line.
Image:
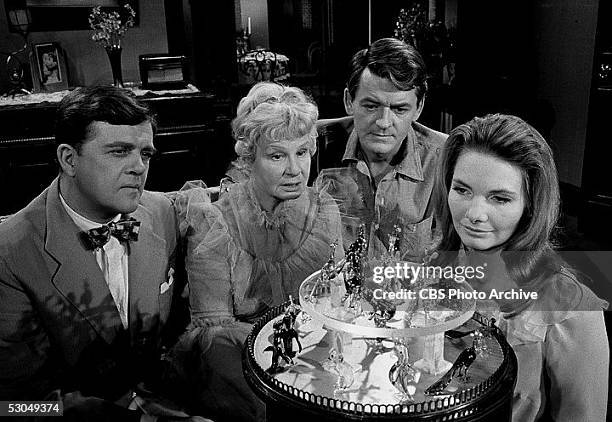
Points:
x=48 y=68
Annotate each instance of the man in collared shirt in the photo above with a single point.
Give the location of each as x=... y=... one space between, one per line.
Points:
x=87 y=270
x=390 y=159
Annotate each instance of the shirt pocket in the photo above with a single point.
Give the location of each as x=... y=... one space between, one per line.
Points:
x=417 y=240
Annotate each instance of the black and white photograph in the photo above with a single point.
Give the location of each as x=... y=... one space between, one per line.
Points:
x=330 y=210
x=48 y=69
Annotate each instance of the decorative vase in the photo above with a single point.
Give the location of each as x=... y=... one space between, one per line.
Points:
x=114 y=55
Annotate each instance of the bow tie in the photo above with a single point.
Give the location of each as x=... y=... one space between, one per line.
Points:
x=124 y=230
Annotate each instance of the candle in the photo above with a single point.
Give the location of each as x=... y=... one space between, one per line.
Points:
x=249 y=25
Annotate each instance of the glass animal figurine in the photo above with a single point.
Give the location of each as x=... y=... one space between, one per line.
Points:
x=284 y=333
x=460 y=367
x=344 y=371
x=402 y=375
x=328 y=274
x=354 y=272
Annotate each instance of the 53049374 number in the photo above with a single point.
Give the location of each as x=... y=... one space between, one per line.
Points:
x=31 y=408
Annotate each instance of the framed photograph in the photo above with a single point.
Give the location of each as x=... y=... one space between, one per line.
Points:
x=49 y=67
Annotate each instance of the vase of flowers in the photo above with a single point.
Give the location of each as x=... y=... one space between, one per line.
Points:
x=431 y=38
x=108 y=29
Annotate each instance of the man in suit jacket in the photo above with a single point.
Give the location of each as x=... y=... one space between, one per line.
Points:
x=85 y=317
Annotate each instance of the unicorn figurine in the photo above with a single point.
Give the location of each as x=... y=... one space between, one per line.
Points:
x=336 y=364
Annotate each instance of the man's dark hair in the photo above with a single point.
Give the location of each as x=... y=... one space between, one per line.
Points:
x=109 y=104
x=391 y=59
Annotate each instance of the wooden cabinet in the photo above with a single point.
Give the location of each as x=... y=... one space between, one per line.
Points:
x=319 y=37
x=193 y=137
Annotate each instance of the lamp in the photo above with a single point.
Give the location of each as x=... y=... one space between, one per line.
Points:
x=19 y=20
x=19 y=17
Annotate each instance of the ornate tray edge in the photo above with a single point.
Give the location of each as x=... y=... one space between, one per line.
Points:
x=459 y=403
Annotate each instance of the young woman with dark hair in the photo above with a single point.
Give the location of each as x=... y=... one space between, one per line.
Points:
x=498 y=203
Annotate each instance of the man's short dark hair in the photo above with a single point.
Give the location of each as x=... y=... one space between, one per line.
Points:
x=391 y=59
x=83 y=106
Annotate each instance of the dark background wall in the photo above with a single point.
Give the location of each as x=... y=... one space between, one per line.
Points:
x=564 y=48
x=87 y=61
x=533 y=58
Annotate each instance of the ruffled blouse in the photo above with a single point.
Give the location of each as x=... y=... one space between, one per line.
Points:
x=241 y=259
x=561 y=347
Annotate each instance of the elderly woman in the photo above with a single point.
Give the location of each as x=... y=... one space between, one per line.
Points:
x=499 y=204
x=252 y=248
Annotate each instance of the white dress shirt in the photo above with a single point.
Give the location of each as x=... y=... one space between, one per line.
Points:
x=112 y=259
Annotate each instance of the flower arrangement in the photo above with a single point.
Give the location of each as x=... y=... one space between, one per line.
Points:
x=432 y=39
x=109 y=27
x=411 y=24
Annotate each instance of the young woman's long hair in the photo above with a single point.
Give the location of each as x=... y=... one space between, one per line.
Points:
x=528 y=252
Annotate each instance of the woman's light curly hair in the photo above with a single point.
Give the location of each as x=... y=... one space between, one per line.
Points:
x=272 y=112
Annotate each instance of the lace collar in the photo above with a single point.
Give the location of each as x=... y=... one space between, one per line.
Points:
x=281 y=214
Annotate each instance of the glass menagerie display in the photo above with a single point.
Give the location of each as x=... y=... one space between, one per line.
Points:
x=365 y=343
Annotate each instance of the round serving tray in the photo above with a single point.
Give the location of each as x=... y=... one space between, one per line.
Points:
x=487 y=400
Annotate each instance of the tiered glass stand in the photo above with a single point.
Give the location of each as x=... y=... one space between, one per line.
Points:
x=307 y=390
